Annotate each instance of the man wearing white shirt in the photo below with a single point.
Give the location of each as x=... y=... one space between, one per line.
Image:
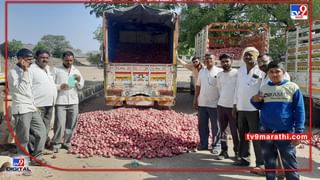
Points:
x=248 y=85
x=226 y=82
x=26 y=116
x=206 y=99
x=263 y=61
x=44 y=89
x=68 y=81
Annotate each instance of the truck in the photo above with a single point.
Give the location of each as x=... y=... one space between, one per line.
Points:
x=139 y=45
x=232 y=38
x=5 y=136
x=297 y=64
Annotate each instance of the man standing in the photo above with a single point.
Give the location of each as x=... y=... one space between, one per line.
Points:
x=68 y=81
x=282 y=111
x=206 y=99
x=263 y=61
x=226 y=82
x=26 y=116
x=44 y=89
x=195 y=67
x=248 y=84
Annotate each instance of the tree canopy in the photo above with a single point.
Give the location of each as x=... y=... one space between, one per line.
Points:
x=55 y=44
x=193 y=17
x=13 y=47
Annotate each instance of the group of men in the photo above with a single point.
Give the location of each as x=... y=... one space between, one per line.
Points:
x=242 y=98
x=37 y=92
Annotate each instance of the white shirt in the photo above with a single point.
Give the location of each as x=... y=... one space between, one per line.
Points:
x=61 y=76
x=226 y=82
x=19 y=83
x=43 y=86
x=248 y=85
x=207 y=81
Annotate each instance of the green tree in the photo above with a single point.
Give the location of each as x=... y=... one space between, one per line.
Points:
x=40 y=45
x=99 y=36
x=13 y=47
x=195 y=17
x=315 y=9
x=55 y=44
x=93 y=58
x=98 y=8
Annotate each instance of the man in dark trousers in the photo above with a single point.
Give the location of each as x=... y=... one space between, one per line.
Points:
x=282 y=111
x=226 y=82
x=206 y=99
x=248 y=84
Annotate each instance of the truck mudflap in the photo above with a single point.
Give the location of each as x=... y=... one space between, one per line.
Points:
x=140 y=101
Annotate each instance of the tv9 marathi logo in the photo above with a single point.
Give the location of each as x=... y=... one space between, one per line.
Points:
x=19 y=165
x=299 y=11
x=18 y=162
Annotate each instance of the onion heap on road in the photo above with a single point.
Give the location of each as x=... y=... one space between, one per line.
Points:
x=134 y=133
x=315 y=141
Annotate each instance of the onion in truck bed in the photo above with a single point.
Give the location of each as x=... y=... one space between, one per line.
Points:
x=134 y=133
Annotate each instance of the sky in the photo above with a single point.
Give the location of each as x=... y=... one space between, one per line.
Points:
x=29 y=22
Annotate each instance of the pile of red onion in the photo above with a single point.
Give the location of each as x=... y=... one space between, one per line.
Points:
x=315 y=140
x=234 y=51
x=134 y=133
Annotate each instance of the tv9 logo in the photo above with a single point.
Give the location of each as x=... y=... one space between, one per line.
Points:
x=299 y=11
x=18 y=165
x=18 y=162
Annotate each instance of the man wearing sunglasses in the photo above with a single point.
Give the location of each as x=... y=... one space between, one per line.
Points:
x=26 y=116
x=195 y=67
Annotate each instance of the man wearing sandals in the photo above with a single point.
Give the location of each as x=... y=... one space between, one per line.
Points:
x=69 y=81
x=206 y=99
x=26 y=116
x=44 y=90
x=226 y=82
x=248 y=84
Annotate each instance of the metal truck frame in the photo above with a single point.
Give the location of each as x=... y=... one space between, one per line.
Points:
x=297 y=63
x=224 y=35
x=139 y=83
